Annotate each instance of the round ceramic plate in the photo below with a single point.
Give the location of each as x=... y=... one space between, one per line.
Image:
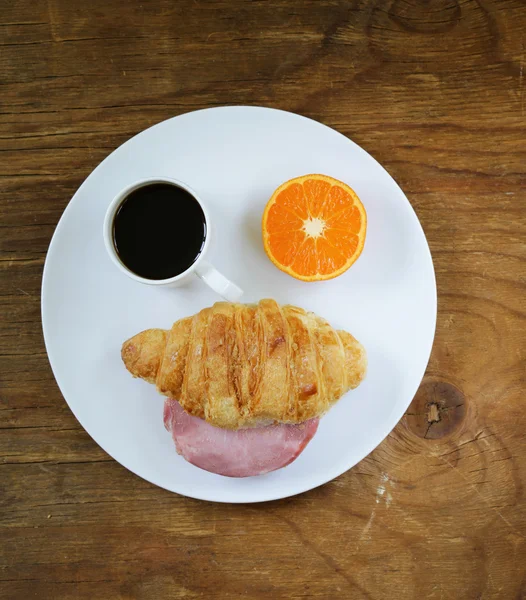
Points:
x=234 y=158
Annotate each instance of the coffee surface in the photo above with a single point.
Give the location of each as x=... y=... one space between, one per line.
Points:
x=159 y=231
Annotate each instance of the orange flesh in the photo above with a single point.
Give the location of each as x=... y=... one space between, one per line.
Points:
x=314 y=227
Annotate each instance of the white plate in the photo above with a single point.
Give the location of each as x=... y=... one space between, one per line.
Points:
x=234 y=157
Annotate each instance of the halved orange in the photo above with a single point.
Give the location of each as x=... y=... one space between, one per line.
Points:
x=314 y=227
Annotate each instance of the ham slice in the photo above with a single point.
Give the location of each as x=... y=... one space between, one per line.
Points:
x=241 y=453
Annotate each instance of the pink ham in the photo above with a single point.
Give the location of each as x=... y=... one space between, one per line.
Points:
x=241 y=453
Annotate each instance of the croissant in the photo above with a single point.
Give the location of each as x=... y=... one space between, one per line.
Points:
x=239 y=366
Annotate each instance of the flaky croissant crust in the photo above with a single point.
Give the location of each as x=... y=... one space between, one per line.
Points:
x=239 y=365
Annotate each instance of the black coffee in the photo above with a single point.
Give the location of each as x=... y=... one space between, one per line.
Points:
x=159 y=231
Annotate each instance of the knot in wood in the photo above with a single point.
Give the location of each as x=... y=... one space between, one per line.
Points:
x=436 y=411
x=433 y=16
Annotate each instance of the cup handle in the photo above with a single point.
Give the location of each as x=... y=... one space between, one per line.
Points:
x=219 y=283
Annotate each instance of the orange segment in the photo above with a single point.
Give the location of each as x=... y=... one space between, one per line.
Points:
x=293 y=199
x=330 y=259
x=348 y=219
x=306 y=260
x=284 y=246
x=338 y=199
x=314 y=227
x=316 y=192
x=281 y=219
x=343 y=241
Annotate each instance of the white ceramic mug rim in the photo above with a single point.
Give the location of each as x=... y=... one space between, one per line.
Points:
x=108 y=228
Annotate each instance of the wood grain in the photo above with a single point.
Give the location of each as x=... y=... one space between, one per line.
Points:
x=435 y=91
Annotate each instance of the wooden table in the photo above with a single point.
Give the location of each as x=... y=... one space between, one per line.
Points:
x=436 y=92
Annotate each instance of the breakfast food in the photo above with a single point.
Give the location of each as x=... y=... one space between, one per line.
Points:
x=238 y=365
x=236 y=453
x=235 y=366
x=314 y=227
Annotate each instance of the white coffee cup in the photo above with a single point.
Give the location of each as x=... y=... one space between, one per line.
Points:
x=203 y=269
